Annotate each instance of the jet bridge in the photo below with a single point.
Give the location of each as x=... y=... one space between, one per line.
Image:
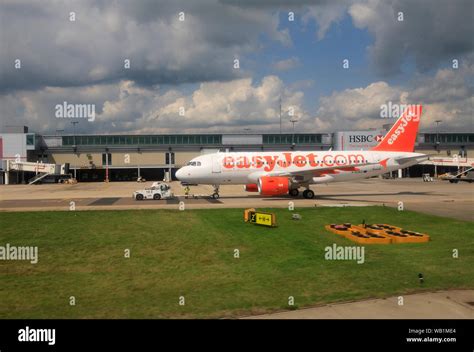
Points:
x=41 y=170
x=460 y=163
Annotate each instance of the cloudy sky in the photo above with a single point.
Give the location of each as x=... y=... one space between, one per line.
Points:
x=183 y=75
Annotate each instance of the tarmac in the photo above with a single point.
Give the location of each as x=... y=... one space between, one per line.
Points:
x=438 y=198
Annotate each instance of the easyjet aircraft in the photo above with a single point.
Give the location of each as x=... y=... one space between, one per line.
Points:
x=278 y=173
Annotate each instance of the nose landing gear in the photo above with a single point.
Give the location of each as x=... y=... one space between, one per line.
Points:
x=215 y=195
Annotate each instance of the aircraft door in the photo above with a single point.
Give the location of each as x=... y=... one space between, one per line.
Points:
x=216 y=165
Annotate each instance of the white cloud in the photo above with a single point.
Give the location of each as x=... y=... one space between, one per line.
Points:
x=325 y=15
x=287 y=64
x=127 y=107
x=446 y=96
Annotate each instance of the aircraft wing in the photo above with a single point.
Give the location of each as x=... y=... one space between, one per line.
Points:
x=418 y=158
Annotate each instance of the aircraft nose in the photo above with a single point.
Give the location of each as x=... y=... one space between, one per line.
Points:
x=180 y=174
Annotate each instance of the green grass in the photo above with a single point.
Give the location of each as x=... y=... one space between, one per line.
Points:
x=190 y=253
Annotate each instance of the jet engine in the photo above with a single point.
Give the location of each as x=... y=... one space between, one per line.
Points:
x=273 y=185
x=251 y=187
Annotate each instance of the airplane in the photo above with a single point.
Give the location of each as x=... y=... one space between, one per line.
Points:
x=280 y=173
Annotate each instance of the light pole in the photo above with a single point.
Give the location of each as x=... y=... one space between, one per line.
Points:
x=280 y=114
x=437 y=134
x=293 y=120
x=106 y=164
x=74 y=123
x=437 y=145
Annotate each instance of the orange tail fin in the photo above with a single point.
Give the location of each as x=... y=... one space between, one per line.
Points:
x=402 y=135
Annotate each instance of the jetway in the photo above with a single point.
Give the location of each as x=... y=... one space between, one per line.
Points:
x=454 y=161
x=460 y=163
x=41 y=170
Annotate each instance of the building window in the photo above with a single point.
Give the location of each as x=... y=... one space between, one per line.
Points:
x=169 y=158
x=67 y=140
x=30 y=139
x=104 y=159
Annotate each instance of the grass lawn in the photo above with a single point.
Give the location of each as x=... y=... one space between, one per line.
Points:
x=191 y=253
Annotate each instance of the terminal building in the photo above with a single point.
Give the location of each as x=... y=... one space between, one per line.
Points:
x=94 y=157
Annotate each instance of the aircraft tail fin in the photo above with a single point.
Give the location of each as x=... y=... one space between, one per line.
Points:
x=402 y=135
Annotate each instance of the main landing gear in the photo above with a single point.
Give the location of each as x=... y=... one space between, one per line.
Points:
x=307 y=193
x=215 y=195
x=294 y=192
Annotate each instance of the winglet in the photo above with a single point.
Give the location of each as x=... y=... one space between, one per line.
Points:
x=402 y=135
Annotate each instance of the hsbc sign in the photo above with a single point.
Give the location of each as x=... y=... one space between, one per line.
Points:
x=360 y=139
x=357 y=140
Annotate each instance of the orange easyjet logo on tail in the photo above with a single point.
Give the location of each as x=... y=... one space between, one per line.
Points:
x=402 y=135
x=412 y=114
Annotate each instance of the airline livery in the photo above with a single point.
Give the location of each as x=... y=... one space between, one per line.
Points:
x=278 y=173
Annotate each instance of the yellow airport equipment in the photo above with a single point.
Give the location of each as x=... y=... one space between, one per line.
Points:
x=367 y=237
x=377 y=233
x=373 y=228
x=246 y=214
x=400 y=235
x=358 y=234
x=342 y=229
x=260 y=218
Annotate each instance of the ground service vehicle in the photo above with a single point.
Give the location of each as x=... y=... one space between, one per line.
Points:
x=159 y=190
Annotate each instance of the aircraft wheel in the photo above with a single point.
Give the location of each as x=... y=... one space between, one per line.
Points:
x=215 y=195
x=294 y=192
x=308 y=194
x=139 y=197
x=157 y=196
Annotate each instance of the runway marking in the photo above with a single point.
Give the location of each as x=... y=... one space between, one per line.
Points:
x=104 y=201
x=200 y=200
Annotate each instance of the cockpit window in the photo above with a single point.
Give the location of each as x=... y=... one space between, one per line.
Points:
x=194 y=163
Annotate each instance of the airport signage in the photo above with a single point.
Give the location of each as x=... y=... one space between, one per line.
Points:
x=260 y=218
x=357 y=140
x=360 y=138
